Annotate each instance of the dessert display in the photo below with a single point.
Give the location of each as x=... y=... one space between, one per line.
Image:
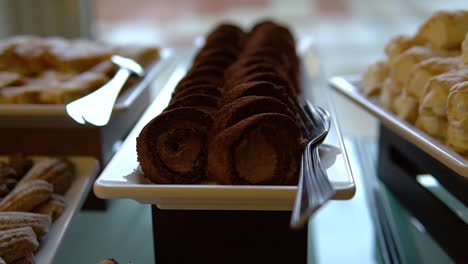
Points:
x=32 y=200
x=423 y=77
x=37 y=70
x=232 y=118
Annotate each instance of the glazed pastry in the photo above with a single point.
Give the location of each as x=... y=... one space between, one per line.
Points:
x=26 y=196
x=58 y=172
x=390 y=90
x=427 y=69
x=249 y=153
x=17 y=243
x=172 y=147
x=445 y=29
x=374 y=78
x=40 y=223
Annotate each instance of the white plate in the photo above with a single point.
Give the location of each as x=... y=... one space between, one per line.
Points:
x=348 y=86
x=28 y=115
x=86 y=170
x=122 y=178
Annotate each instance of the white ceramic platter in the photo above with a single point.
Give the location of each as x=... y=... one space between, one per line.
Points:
x=348 y=86
x=122 y=178
x=86 y=170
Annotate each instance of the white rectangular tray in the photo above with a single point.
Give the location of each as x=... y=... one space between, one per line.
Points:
x=122 y=178
x=348 y=86
x=86 y=170
x=51 y=115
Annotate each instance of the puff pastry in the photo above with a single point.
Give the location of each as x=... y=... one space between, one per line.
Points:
x=390 y=91
x=425 y=70
x=457 y=106
x=433 y=125
x=437 y=90
x=464 y=49
x=399 y=44
x=402 y=66
x=445 y=29
x=406 y=107
x=374 y=78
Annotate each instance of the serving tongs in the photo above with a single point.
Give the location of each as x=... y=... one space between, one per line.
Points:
x=96 y=107
x=314 y=188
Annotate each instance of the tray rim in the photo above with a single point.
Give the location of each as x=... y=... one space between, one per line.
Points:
x=74 y=198
x=124 y=101
x=107 y=189
x=347 y=85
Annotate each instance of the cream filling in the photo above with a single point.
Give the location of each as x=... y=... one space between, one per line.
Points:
x=179 y=150
x=255 y=158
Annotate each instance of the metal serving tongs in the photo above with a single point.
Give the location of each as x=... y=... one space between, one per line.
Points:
x=314 y=188
x=96 y=107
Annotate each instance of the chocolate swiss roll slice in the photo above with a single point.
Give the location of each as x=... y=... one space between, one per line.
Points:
x=207 y=89
x=261 y=149
x=242 y=108
x=204 y=102
x=172 y=147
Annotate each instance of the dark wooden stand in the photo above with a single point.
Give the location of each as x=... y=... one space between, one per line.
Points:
x=399 y=163
x=199 y=236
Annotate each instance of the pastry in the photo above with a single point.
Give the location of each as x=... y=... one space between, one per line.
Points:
x=26 y=196
x=401 y=68
x=400 y=44
x=17 y=243
x=53 y=207
x=406 y=107
x=28 y=259
x=249 y=153
x=457 y=114
x=11 y=79
x=58 y=172
x=20 y=163
x=425 y=70
x=445 y=29
x=232 y=113
x=437 y=90
x=374 y=78
x=172 y=147
x=464 y=48
x=40 y=223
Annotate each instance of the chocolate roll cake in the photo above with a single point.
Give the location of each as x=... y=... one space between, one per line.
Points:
x=172 y=148
x=256 y=138
x=232 y=118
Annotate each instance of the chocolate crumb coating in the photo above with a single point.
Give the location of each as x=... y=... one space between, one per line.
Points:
x=259 y=88
x=242 y=108
x=206 y=89
x=261 y=149
x=204 y=102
